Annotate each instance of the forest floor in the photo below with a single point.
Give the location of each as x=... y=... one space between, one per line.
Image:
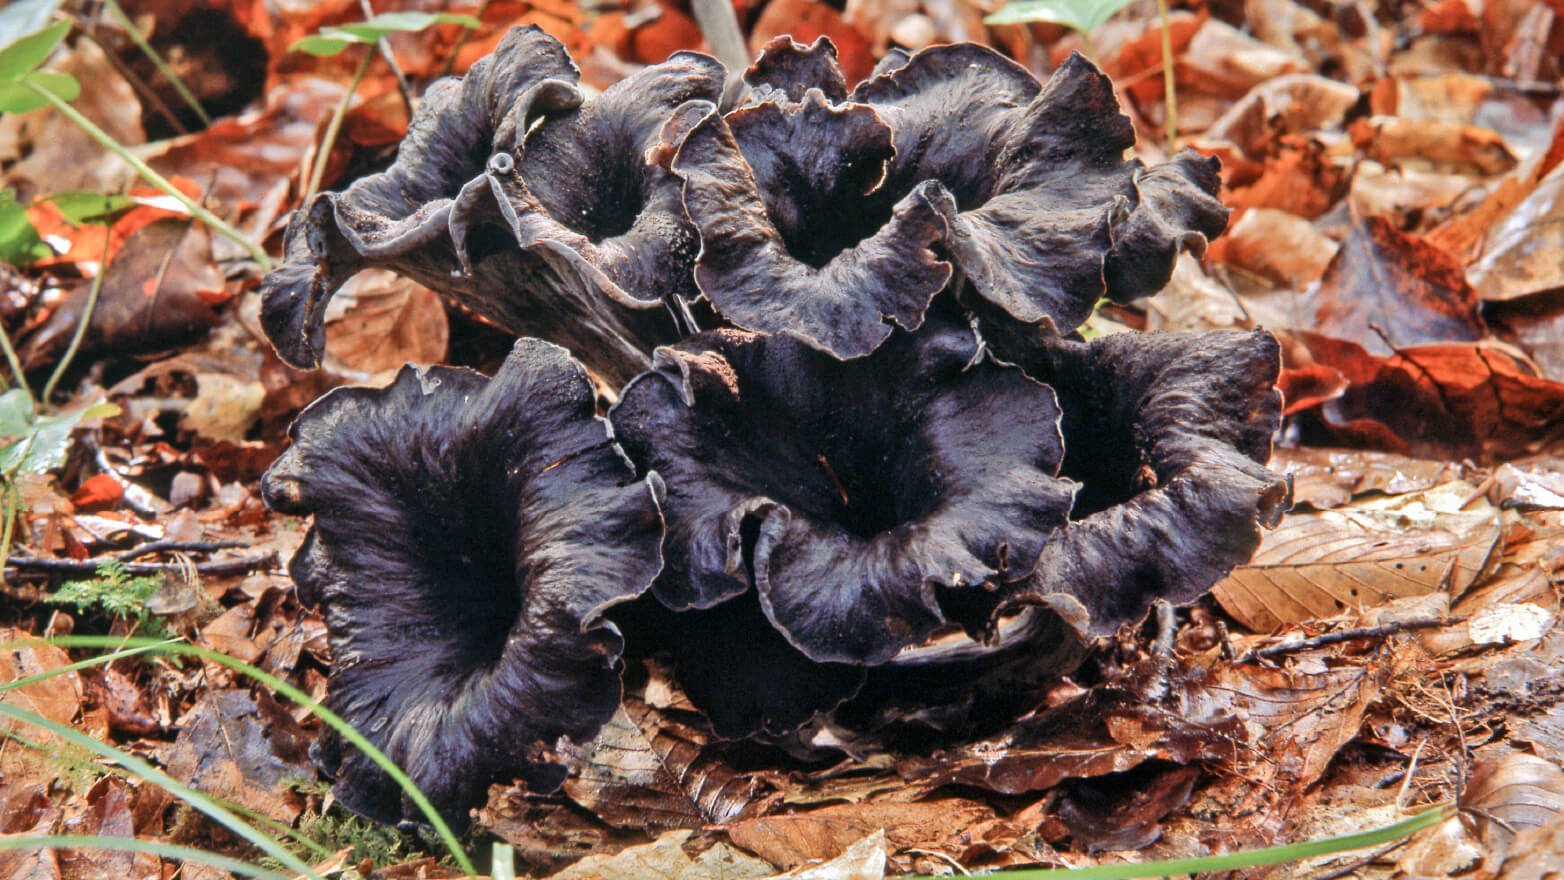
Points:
x=1395 y=174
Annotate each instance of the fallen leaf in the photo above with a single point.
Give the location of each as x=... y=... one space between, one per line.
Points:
x=666 y=857
x=825 y=833
x=864 y=860
x=1316 y=566
x=643 y=771
x=1406 y=288
x=1524 y=252
x=1441 y=400
x=1275 y=245
x=1504 y=622
x=1436 y=144
x=242 y=747
x=224 y=407
x=1327 y=478
x=159 y=289
x=379 y=320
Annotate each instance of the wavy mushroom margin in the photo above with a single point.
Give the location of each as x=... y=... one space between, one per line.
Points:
x=468 y=536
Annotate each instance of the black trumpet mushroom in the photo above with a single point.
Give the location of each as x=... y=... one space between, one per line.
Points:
x=893 y=489
x=834 y=216
x=859 y=508
x=468 y=536
x=523 y=202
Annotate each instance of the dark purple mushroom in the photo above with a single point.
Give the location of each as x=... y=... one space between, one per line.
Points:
x=1168 y=435
x=469 y=534
x=522 y=202
x=849 y=495
x=876 y=504
x=828 y=218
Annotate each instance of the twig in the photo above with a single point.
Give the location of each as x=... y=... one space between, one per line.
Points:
x=236 y=565
x=1348 y=635
x=180 y=546
x=1367 y=860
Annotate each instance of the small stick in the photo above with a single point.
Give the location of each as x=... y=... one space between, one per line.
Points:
x=1348 y=635
x=236 y=565
x=181 y=546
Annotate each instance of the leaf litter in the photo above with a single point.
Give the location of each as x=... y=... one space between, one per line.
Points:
x=1395 y=642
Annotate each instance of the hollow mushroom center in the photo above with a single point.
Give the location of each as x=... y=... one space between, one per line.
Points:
x=466 y=549
x=867 y=484
x=819 y=225
x=600 y=199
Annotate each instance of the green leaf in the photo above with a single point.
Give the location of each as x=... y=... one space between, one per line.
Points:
x=16 y=413
x=320 y=46
x=1082 y=15
x=30 y=51
x=16 y=97
x=81 y=206
x=19 y=241
x=332 y=40
x=49 y=439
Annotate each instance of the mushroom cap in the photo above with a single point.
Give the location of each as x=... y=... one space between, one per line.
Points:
x=833 y=218
x=468 y=535
x=847 y=494
x=1168 y=435
x=521 y=200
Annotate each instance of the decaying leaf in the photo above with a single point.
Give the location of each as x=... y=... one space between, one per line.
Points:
x=667 y=857
x=1386 y=285
x=1320 y=565
x=645 y=771
x=242 y=747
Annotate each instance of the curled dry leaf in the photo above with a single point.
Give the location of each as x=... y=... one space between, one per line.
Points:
x=243 y=748
x=1443 y=400
x=645 y=771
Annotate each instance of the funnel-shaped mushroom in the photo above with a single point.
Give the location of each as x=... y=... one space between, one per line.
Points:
x=469 y=534
x=521 y=201
x=847 y=494
x=831 y=219
x=1168 y=435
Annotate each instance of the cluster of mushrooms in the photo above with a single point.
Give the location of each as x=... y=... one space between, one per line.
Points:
x=859 y=468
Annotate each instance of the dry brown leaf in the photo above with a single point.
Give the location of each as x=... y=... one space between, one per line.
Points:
x=1329 y=478
x=1385 y=283
x=1316 y=566
x=1524 y=253
x=242 y=747
x=1275 y=245
x=643 y=771
x=1511 y=794
x=384 y=321
x=1451 y=146
x=825 y=833
x=57 y=699
x=666 y=858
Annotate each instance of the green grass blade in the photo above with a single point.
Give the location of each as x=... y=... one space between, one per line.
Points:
x=212 y=221
x=79 y=665
x=1273 y=855
x=327 y=717
x=136 y=845
x=149 y=773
